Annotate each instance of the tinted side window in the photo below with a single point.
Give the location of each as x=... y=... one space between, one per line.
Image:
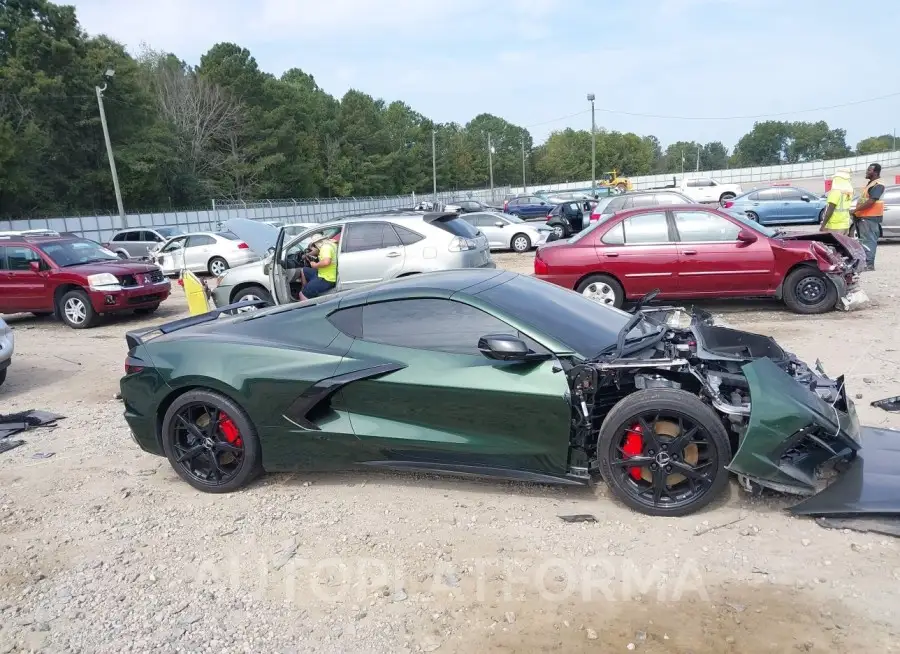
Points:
x=648 y=200
x=790 y=194
x=439 y=325
x=456 y=226
x=19 y=258
x=363 y=236
x=348 y=321
x=200 y=240
x=119 y=237
x=646 y=228
x=768 y=195
x=699 y=226
x=407 y=236
x=132 y=236
x=148 y=236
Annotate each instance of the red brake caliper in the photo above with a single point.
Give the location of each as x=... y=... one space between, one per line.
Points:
x=230 y=431
x=633 y=446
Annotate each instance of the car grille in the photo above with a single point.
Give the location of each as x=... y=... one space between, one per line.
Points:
x=131 y=281
x=144 y=299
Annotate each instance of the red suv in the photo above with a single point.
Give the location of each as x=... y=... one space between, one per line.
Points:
x=74 y=278
x=695 y=252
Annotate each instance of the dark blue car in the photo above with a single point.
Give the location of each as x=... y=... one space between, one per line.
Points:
x=528 y=206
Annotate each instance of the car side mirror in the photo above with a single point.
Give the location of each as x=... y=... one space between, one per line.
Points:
x=35 y=266
x=499 y=223
x=805 y=198
x=503 y=347
x=746 y=236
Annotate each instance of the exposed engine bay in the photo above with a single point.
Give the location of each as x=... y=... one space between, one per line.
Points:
x=816 y=424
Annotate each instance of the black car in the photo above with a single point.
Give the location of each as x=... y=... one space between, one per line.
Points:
x=567 y=218
x=472 y=206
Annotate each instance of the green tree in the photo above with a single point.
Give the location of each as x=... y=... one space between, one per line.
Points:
x=876 y=144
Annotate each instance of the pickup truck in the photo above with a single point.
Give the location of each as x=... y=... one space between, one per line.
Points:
x=704 y=189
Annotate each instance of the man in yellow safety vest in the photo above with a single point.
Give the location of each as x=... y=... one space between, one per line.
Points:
x=320 y=276
x=837 y=207
x=869 y=213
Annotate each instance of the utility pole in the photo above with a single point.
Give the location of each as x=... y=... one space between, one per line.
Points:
x=894 y=144
x=109 y=152
x=682 y=163
x=698 y=158
x=524 y=185
x=434 y=165
x=491 y=165
x=590 y=97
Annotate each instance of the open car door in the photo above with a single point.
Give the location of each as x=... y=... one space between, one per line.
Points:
x=278 y=279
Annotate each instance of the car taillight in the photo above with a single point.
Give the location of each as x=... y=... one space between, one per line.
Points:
x=460 y=244
x=505 y=205
x=243 y=246
x=133 y=365
x=728 y=204
x=540 y=266
x=595 y=216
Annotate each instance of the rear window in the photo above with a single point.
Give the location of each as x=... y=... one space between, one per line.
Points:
x=228 y=235
x=456 y=226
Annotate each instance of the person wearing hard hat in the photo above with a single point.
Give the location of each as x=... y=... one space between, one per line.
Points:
x=869 y=213
x=837 y=207
x=320 y=276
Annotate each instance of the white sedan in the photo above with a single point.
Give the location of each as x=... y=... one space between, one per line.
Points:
x=507 y=232
x=203 y=252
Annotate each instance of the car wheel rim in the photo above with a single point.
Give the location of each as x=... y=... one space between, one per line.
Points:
x=207 y=444
x=520 y=244
x=600 y=292
x=663 y=459
x=811 y=290
x=217 y=268
x=558 y=231
x=75 y=310
x=248 y=298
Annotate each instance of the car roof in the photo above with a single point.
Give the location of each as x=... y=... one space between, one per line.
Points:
x=668 y=207
x=444 y=283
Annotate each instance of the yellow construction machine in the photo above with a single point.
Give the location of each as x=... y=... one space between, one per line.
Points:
x=612 y=178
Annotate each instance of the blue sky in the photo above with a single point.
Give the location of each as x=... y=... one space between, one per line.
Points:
x=533 y=61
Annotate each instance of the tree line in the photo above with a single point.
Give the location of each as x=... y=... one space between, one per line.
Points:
x=183 y=134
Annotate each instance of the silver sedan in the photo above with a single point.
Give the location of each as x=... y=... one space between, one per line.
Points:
x=507 y=232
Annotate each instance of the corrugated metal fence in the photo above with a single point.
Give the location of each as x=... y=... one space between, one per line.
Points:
x=102 y=228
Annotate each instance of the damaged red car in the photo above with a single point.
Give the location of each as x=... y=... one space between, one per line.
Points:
x=697 y=252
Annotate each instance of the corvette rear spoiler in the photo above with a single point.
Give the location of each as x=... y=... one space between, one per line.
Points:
x=141 y=336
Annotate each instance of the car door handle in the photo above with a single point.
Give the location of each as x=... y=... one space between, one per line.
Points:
x=392 y=255
x=612 y=254
x=689 y=251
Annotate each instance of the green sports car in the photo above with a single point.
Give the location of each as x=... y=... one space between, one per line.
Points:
x=488 y=373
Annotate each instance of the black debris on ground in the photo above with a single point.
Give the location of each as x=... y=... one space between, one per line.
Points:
x=891 y=404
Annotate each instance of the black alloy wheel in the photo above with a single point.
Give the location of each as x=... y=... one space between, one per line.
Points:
x=663 y=452
x=210 y=442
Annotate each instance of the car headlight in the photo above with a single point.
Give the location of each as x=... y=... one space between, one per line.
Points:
x=104 y=282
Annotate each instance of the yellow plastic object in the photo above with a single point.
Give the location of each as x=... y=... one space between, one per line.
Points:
x=198 y=302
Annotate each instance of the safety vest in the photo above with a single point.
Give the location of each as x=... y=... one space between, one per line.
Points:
x=328 y=250
x=877 y=209
x=840 y=217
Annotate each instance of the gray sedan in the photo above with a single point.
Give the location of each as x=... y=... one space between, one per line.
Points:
x=508 y=232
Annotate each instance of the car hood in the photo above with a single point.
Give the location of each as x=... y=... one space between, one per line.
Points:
x=121 y=267
x=846 y=245
x=260 y=236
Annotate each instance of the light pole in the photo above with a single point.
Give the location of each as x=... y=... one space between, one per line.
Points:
x=524 y=185
x=109 y=152
x=434 y=165
x=491 y=165
x=590 y=97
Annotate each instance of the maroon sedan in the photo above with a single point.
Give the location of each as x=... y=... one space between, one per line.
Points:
x=697 y=252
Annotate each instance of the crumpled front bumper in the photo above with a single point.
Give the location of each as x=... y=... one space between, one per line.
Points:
x=792 y=432
x=850 y=293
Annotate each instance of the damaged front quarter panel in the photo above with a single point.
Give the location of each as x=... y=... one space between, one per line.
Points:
x=818 y=432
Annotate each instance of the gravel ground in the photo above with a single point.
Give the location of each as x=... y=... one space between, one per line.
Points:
x=103 y=549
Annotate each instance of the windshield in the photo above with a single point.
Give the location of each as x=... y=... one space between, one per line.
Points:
x=752 y=224
x=168 y=232
x=512 y=219
x=75 y=252
x=585 y=326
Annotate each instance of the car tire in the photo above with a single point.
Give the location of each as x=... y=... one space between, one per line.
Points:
x=250 y=464
x=520 y=243
x=821 y=217
x=2 y=376
x=807 y=290
x=76 y=310
x=250 y=293
x=146 y=311
x=603 y=289
x=665 y=403
x=217 y=266
x=725 y=197
x=752 y=215
x=122 y=254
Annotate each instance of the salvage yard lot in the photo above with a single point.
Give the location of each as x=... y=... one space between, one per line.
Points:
x=104 y=549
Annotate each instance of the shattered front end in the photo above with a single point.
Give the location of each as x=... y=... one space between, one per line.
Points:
x=802 y=429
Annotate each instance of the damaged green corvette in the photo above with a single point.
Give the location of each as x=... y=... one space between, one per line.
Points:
x=491 y=374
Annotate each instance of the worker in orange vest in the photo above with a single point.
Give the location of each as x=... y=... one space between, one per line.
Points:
x=869 y=213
